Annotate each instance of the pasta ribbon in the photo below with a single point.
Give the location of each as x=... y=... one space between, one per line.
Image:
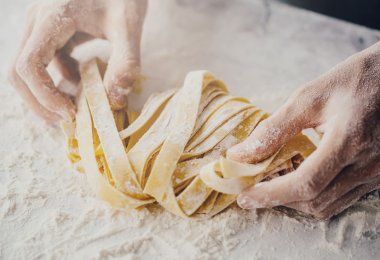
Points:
x=173 y=153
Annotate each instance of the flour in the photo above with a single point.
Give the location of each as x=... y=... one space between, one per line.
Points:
x=46 y=209
x=55 y=216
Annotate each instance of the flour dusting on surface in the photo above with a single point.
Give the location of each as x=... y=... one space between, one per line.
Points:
x=47 y=210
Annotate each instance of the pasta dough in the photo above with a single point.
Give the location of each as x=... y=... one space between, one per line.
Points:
x=173 y=152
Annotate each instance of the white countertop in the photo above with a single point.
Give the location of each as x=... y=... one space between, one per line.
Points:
x=263 y=50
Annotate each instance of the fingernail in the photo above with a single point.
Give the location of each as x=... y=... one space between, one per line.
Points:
x=122 y=91
x=118 y=96
x=247 y=202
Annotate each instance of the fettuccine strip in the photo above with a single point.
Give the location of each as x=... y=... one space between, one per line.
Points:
x=173 y=152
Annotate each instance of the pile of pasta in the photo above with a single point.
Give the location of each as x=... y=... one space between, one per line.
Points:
x=173 y=152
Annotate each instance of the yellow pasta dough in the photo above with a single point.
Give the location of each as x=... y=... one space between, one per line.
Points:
x=173 y=152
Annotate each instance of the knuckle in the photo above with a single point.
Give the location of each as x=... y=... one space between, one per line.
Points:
x=64 y=7
x=308 y=189
x=26 y=62
x=124 y=81
x=300 y=104
x=367 y=62
x=369 y=174
x=359 y=140
x=50 y=8
x=313 y=207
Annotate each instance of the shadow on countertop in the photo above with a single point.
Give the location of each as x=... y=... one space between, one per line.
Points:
x=363 y=12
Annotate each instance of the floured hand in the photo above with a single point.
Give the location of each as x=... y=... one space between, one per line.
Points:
x=344 y=104
x=54 y=28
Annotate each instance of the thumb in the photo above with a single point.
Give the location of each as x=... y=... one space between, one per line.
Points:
x=120 y=76
x=305 y=183
x=298 y=113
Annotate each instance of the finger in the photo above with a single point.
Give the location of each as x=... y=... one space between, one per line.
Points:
x=347 y=180
x=16 y=80
x=67 y=65
x=120 y=75
x=348 y=199
x=49 y=34
x=301 y=111
x=306 y=183
x=124 y=64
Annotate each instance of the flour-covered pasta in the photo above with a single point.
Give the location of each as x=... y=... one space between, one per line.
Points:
x=173 y=153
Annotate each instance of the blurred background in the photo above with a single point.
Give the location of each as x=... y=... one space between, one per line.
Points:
x=363 y=12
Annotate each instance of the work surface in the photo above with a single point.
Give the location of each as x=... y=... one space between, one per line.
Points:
x=263 y=50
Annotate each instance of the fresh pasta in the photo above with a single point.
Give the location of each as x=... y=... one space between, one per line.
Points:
x=173 y=153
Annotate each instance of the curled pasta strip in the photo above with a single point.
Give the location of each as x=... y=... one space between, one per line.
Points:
x=173 y=152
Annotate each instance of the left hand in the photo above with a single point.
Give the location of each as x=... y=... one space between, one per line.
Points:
x=54 y=29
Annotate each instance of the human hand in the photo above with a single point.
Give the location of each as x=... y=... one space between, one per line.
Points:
x=54 y=28
x=344 y=104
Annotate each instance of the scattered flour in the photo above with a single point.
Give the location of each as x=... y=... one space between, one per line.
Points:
x=47 y=210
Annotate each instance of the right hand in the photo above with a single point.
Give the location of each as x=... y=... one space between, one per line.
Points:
x=344 y=104
x=54 y=28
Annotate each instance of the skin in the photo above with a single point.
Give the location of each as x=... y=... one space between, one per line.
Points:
x=344 y=105
x=54 y=28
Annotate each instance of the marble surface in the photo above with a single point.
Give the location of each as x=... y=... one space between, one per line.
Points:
x=255 y=46
x=263 y=50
